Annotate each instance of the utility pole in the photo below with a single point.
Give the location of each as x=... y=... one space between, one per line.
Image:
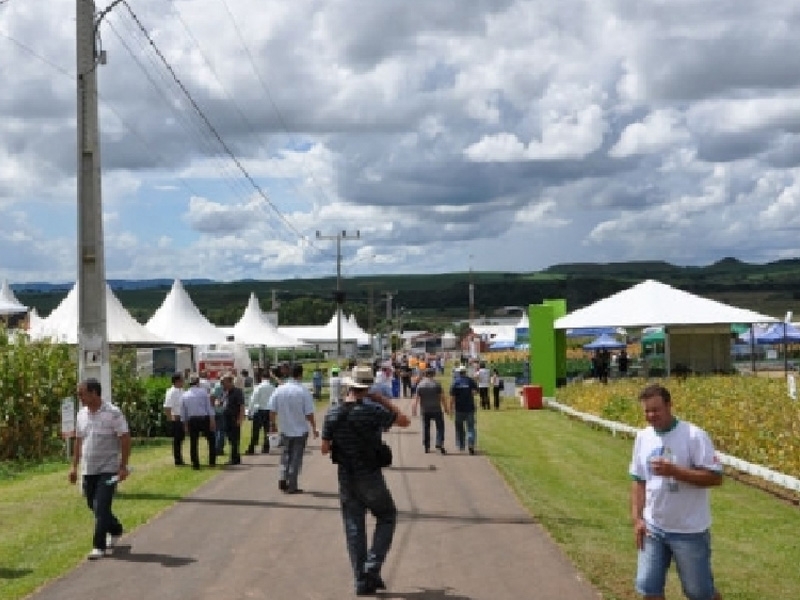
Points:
x=471 y=293
x=371 y=315
x=93 y=356
x=389 y=296
x=339 y=295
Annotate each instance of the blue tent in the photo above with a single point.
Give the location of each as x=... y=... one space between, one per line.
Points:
x=604 y=342
x=780 y=333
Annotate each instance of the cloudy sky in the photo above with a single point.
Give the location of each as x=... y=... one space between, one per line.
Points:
x=451 y=134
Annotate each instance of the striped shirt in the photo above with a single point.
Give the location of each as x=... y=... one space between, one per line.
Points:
x=355 y=435
x=99 y=432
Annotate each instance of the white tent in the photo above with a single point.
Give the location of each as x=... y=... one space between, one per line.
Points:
x=655 y=303
x=9 y=305
x=61 y=325
x=255 y=329
x=179 y=321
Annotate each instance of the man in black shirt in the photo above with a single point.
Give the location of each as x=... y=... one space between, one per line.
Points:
x=352 y=432
x=233 y=411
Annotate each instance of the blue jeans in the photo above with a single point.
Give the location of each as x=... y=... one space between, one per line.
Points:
x=465 y=419
x=292 y=459
x=219 y=433
x=692 y=554
x=438 y=419
x=99 y=496
x=358 y=494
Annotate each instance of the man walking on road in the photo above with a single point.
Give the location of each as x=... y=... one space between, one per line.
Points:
x=429 y=399
x=351 y=432
x=102 y=446
x=233 y=415
x=198 y=417
x=673 y=465
x=292 y=407
x=172 y=408
x=259 y=409
x=462 y=403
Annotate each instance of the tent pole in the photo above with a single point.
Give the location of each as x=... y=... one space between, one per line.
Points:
x=785 y=356
x=752 y=348
x=667 y=365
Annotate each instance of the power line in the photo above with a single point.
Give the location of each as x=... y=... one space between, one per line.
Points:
x=213 y=130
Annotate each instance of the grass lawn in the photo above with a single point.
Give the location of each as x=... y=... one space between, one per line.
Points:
x=574 y=481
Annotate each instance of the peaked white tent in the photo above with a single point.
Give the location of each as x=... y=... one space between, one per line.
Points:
x=655 y=303
x=255 y=329
x=9 y=305
x=179 y=321
x=61 y=325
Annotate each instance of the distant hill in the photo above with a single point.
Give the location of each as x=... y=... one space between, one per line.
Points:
x=116 y=284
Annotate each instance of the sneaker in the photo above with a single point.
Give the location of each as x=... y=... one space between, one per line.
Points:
x=96 y=554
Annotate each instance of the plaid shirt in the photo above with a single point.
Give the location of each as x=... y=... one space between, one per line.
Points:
x=99 y=433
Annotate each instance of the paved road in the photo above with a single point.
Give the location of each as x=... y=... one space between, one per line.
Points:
x=462 y=535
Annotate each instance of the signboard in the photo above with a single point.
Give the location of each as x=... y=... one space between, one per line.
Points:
x=791 y=384
x=68 y=417
x=215 y=364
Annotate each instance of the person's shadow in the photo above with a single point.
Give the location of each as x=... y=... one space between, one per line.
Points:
x=124 y=553
x=14 y=573
x=423 y=594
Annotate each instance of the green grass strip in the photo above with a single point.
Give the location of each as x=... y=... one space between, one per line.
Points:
x=573 y=479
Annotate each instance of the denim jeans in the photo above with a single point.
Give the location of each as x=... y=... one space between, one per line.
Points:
x=99 y=496
x=260 y=421
x=292 y=459
x=219 y=435
x=358 y=494
x=438 y=419
x=465 y=419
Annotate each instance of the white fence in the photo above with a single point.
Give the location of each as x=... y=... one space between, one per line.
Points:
x=785 y=481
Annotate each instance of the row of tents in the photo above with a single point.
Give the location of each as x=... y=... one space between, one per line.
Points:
x=178 y=321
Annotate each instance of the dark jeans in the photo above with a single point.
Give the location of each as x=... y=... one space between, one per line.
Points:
x=357 y=495
x=496 y=393
x=462 y=420
x=201 y=426
x=219 y=420
x=438 y=419
x=407 y=391
x=234 y=433
x=99 y=496
x=177 y=441
x=260 y=421
x=484 y=396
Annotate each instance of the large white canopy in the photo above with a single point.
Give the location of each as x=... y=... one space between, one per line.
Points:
x=61 y=325
x=9 y=305
x=255 y=329
x=655 y=303
x=179 y=321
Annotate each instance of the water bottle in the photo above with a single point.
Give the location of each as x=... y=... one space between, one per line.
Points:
x=115 y=478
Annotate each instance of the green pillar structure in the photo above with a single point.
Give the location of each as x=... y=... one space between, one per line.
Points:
x=560 y=338
x=548 y=347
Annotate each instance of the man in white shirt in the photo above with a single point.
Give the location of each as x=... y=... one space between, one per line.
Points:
x=172 y=408
x=335 y=387
x=259 y=409
x=482 y=379
x=673 y=465
x=292 y=407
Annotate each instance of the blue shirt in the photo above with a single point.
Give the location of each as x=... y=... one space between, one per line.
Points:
x=462 y=390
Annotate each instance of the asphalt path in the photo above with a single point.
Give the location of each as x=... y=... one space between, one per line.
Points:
x=461 y=535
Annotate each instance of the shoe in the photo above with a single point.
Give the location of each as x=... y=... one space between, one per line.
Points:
x=365 y=588
x=283 y=485
x=441 y=449
x=96 y=554
x=112 y=540
x=180 y=464
x=294 y=491
x=250 y=451
x=471 y=450
x=196 y=467
x=375 y=579
x=265 y=450
x=427 y=450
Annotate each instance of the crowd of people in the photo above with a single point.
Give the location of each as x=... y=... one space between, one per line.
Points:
x=673 y=463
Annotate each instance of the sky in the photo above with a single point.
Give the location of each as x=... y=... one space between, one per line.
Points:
x=449 y=135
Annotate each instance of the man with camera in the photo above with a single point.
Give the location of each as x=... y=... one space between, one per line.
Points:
x=351 y=433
